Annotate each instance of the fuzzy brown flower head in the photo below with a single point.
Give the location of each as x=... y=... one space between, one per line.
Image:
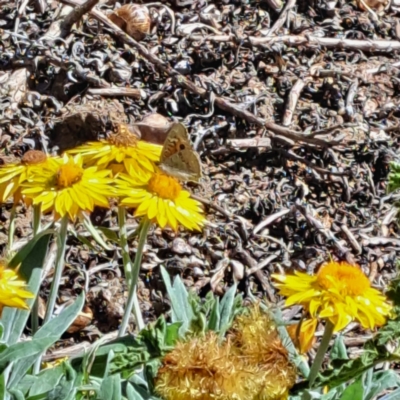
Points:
x=203 y=369
x=256 y=338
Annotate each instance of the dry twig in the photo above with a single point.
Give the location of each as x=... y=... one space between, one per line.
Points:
x=75 y=15
x=119 y=91
x=292 y=102
x=281 y=20
x=311 y=41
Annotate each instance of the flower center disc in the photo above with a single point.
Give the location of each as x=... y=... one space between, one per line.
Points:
x=346 y=278
x=68 y=174
x=164 y=186
x=123 y=137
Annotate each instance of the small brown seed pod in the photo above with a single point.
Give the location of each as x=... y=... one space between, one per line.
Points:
x=154 y=128
x=32 y=157
x=134 y=19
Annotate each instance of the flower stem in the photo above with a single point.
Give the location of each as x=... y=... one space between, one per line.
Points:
x=37 y=213
x=123 y=242
x=61 y=246
x=36 y=229
x=59 y=266
x=11 y=229
x=323 y=347
x=132 y=297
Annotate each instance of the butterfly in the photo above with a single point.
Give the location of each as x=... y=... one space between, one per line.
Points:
x=178 y=157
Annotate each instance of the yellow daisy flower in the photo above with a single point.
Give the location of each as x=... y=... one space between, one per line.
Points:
x=160 y=198
x=340 y=292
x=12 y=290
x=303 y=337
x=67 y=188
x=122 y=152
x=12 y=176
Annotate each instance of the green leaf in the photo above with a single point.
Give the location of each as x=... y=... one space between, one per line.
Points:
x=179 y=301
x=171 y=293
x=132 y=393
x=354 y=392
x=130 y=353
x=58 y=325
x=298 y=360
x=310 y=394
x=86 y=242
x=225 y=310
x=17 y=394
x=215 y=317
x=30 y=258
x=392 y=327
x=20 y=368
x=110 y=357
x=381 y=381
x=109 y=234
x=67 y=387
x=339 y=351
x=24 y=350
x=3 y=393
x=28 y=250
x=183 y=305
x=395 y=395
x=46 y=381
x=394 y=177
x=95 y=234
x=172 y=333
x=26 y=383
x=110 y=388
x=345 y=370
x=54 y=328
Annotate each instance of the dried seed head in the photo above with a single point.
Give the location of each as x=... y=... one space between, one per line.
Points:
x=201 y=369
x=33 y=157
x=258 y=341
x=134 y=19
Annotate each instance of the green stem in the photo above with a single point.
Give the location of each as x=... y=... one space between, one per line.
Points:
x=37 y=213
x=132 y=298
x=35 y=316
x=11 y=229
x=36 y=229
x=58 y=269
x=61 y=246
x=123 y=242
x=323 y=347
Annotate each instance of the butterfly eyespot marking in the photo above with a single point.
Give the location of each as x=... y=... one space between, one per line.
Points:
x=182 y=146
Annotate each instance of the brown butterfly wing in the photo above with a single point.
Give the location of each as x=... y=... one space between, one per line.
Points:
x=177 y=140
x=184 y=165
x=177 y=157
